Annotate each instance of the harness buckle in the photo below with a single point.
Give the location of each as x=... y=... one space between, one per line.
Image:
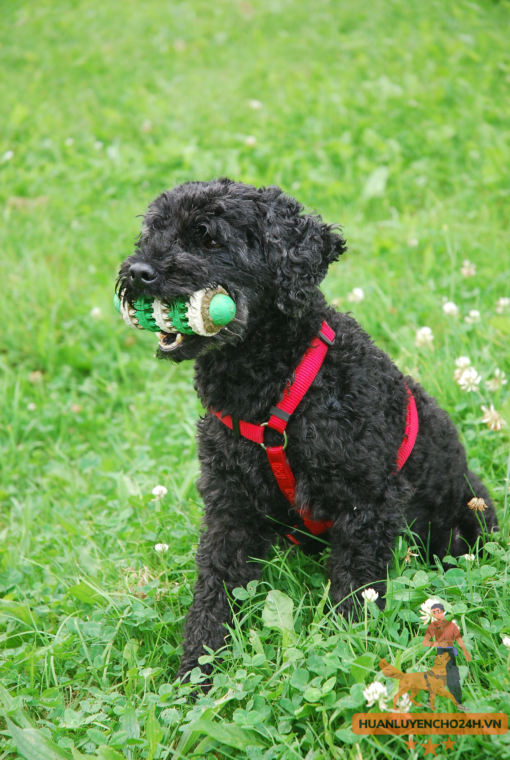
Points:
x=265 y=424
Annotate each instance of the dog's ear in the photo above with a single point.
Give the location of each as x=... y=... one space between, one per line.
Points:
x=298 y=248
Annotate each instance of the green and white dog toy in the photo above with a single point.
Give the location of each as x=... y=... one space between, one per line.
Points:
x=204 y=312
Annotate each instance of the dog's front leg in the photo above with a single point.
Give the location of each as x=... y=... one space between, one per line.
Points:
x=361 y=550
x=223 y=559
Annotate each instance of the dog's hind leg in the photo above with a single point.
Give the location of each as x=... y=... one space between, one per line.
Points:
x=223 y=559
x=415 y=690
x=471 y=522
x=402 y=690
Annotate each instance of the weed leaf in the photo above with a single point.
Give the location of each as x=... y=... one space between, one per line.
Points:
x=277 y=612
x=228 y=733
x=34 y=745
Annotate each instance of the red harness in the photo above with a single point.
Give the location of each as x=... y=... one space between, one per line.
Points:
x=305 y=374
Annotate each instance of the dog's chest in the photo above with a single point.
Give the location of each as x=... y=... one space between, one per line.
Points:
x=242 y=470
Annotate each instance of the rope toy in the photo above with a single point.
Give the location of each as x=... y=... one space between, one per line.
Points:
x=205 y=312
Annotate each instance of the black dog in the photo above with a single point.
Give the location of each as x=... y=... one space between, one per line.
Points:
x=343 y=438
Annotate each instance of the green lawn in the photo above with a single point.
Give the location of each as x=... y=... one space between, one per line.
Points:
x=390 y=117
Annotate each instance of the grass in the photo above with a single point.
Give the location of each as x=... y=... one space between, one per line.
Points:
x=391 y=118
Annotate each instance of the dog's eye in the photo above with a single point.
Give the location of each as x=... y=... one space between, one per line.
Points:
x=210 y=244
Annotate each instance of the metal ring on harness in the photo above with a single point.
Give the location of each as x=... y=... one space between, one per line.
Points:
x=265 y=424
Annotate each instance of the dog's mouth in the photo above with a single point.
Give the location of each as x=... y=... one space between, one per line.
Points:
x=200 y=315
x=169 y=342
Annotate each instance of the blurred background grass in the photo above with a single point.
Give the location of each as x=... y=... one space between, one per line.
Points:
x=390 y=118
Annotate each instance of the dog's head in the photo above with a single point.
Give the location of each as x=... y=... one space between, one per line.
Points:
x=441 y=659
x=257 y=244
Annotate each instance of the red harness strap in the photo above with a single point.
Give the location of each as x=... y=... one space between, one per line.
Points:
x=305 y=373
x=304 y=376
x=410 y=432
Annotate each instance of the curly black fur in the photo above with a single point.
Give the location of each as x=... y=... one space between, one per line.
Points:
x=344 y=436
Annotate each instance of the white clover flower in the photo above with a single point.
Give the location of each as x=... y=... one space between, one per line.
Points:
x=492 y=418
x=159 y=491
x=95 y=312
x=473 y=317
x=69 y=141
x=468 y=269
x=370 y=595
x=404 y=704
x=497 y=381
x=426 y=612
x=7 y=155
x=506 y=641
x=356 y=295
x=502 y=304
x=250 y=141
x=469 y=557
x=469 y=380
x=161 y=548
x=462 y=363
x=255 y=104
x=31 y=407
x=413 y=242
x=424 y=337
x=450 y=309
x=376 y=692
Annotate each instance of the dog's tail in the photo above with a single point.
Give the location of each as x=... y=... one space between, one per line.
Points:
x=389 y=670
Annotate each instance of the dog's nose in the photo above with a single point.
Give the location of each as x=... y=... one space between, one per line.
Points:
x=141 y=273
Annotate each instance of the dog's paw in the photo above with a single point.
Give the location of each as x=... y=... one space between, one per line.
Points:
x=200 y=690
x=199 y=676
x=351 y=608
x=347 y=609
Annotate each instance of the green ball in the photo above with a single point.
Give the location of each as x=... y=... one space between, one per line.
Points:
x=222 y=309
x=116 y=302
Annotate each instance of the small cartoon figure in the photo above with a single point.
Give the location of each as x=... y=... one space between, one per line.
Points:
x=444 y=634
